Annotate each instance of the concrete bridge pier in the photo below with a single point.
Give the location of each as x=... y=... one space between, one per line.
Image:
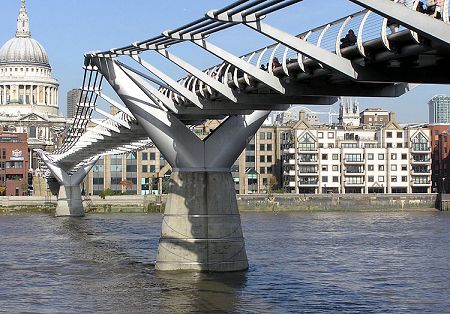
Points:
x=201 y=227
x=70 y=203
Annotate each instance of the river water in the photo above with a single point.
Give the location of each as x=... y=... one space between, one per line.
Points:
x=299 y=262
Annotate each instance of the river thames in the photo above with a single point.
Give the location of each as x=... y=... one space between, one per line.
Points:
x=299 y=262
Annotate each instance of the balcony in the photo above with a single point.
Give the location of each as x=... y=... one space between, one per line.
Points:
x=314 y=150
x=292 y=184
x=354 y=161
x=420 y=149
x=308 y=182
x=421 y=172
x=306 y=161
x=357 y=174
x=350 y=184
x=421 y=183
x=290 y=151
x=421 y=161
x=291 y=162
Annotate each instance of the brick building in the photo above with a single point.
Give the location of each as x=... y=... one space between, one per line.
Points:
x=14 y=164
x=440 y=147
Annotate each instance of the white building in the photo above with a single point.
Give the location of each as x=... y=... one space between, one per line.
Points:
x=356 y=160
x=28 y=93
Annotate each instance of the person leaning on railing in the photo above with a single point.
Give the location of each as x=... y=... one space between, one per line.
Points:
x=349 y=39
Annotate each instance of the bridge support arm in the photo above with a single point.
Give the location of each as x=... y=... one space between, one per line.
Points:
x=70 y=203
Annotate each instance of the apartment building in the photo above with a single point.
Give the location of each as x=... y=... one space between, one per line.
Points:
x=365 y=159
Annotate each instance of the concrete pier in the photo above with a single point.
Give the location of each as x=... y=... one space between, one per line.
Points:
x=69 y=202
x=201 y=229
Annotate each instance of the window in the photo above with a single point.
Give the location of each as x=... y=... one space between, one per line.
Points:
x=262 y=158
x=144 y=168
x=371 y=179
x=370 y=167
x=399 y=135
x=370 y=156
x=269 y=158
x=324 y=168
x=249 y=158
x=335 y=156
x=404 y=167
x=269 y=147
x=394 y=167
x=353 y=157
x=404 y=156
x=262 y=135
x=420 y=143
x=144 y=156
x=152 y=156
x=320 y=134
x=380 y=156
x=389 y=145
x=330 y=135
x=389 y=134
x=324 y=156
x=335 y=168
x=380 y=167
x=393 y=178
x=404 y=179
x=262 y=147
x=380 y=178
x=399 y=145
x=335 y=179
x=324 y=179
x=393 y=156
x=269 y=135
x=262 y=170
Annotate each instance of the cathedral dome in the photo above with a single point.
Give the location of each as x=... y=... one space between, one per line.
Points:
x=23 y=50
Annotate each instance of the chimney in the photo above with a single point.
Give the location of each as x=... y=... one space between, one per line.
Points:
x=302 y=116
x=392 y=117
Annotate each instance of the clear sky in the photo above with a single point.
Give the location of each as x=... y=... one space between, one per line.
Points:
x=69 y=28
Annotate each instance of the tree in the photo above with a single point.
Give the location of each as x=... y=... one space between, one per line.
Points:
x=273 y=182
x=127 y=184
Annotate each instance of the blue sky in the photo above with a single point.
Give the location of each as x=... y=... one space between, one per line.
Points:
x=67 y=29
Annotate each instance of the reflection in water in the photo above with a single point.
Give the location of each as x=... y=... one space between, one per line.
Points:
x=314 y=262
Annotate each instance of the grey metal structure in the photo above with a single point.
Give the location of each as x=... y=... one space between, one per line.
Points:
x=394 y=47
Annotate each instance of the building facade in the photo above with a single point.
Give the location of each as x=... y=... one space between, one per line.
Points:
x=14 y=164
x=374 y=117
x=337 y=159
x=73 y=97
x=440 y=148
x=439 y=109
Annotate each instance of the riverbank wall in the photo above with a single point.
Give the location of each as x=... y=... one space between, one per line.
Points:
x=254 y=202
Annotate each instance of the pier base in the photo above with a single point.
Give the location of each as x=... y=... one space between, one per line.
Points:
x=201 y=229
x=69 y=203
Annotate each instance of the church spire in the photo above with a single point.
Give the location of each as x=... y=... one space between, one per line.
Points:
x=23 y=23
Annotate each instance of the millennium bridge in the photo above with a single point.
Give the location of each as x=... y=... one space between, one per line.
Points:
x=383 y=50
